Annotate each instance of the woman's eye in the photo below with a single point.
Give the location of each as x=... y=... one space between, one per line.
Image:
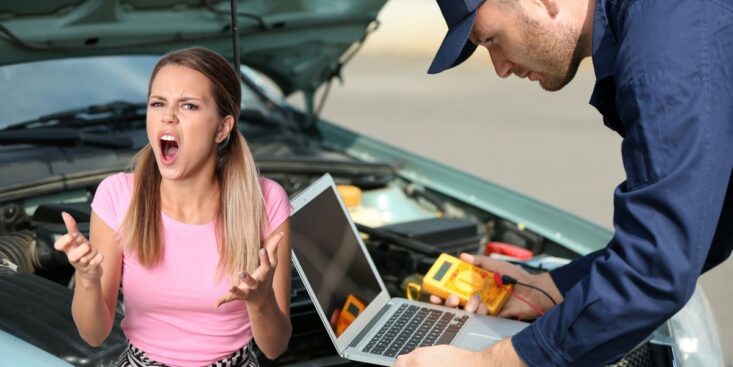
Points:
x=189 y=106
x=156 y=104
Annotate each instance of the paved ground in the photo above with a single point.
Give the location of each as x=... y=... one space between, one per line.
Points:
x=551 y=146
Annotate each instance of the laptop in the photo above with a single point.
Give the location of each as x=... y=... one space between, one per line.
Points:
x=333 y=262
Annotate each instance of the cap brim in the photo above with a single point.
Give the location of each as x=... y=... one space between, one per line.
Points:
x=456 y=46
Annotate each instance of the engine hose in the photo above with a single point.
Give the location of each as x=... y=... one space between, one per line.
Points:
x=415 y=192
x=19 y=248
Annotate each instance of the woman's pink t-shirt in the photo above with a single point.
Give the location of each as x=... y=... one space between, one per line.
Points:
x=170 y=308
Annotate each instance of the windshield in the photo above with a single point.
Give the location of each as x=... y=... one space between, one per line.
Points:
x=35 y=89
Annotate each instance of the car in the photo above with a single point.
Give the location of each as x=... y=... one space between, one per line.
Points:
x=73 y=78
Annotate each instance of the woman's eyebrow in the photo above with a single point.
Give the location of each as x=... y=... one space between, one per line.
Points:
x=190 y=99
x=185 y=98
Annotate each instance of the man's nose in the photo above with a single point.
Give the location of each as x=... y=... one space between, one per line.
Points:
x=502 y=65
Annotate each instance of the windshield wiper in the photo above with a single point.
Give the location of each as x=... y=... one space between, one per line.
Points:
x=105 y=113
x=63 y=136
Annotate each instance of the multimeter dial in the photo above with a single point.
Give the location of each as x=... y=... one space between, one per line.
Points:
x=468 y=281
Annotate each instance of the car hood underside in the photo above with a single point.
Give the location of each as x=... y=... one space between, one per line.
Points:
x=298 y=44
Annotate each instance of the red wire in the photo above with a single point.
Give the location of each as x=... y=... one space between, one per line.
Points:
x=530 y=304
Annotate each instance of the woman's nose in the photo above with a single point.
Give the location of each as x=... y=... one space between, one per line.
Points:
x=169 y=116
x=502 y=65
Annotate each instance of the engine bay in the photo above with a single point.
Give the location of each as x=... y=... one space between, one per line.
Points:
x=415 y=225
x=405 y=227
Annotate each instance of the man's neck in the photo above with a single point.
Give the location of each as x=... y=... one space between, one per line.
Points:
x=588 y=13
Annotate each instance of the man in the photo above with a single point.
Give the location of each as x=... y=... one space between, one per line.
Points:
x=665 y=83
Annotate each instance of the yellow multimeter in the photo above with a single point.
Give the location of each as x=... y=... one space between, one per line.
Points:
x=352 y=308
x=450 y=275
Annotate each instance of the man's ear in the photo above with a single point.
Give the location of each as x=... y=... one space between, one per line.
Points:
x=225 y=127
x=551 y=7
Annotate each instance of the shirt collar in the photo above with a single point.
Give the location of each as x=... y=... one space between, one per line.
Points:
x=605 y=48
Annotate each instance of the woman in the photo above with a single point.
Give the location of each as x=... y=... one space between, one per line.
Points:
x=194 y=233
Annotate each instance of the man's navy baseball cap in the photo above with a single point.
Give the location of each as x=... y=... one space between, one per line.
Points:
x=456 y=47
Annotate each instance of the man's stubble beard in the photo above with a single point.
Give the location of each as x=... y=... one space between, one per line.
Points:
x=559 y=55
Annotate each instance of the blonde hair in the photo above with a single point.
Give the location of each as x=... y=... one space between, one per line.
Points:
x=241 y=213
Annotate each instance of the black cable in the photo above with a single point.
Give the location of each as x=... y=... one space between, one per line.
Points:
x=539 y=290
x=235 y=39
x=509 y=280
x=210 y=7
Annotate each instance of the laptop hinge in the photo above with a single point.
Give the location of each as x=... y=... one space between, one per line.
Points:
x=370 y=325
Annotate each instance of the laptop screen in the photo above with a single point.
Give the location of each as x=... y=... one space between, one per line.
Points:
x=332 y=260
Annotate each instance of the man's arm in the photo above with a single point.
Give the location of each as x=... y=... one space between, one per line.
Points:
x=677 y=156
x=566 y=276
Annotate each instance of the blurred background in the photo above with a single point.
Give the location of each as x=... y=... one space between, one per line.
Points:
x=551 y=146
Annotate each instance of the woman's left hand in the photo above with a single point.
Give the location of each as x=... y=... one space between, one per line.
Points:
x=256 y=288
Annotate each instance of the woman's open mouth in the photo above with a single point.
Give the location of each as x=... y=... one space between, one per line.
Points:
x=168 y=149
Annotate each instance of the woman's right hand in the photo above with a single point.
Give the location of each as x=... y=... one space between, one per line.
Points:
x=81 y=254
x=514 y=307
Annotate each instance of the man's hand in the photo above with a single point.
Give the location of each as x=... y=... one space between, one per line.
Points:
x=257 y=287
x=514 y=307
x=499 y=354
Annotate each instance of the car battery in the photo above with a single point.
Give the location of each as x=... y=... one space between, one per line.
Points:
x=449 y=235
x=517 y=234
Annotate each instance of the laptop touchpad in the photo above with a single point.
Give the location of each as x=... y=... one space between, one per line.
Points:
x=477 y=342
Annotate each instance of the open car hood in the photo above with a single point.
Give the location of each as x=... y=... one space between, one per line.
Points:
x=297 y=43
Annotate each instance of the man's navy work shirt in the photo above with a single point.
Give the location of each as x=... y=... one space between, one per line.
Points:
x=664 y=71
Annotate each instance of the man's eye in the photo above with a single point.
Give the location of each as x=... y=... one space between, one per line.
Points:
x=190 y=106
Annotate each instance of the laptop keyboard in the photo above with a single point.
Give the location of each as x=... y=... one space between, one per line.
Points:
x=412 y=327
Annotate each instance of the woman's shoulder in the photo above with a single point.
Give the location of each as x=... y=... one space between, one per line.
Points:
x=271 y=188
x=118 y=185
x=112 y=198
x=277 y=205
x=118 y=182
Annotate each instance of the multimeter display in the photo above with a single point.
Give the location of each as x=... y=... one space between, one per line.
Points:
x=441 y=272
x=450 y=275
